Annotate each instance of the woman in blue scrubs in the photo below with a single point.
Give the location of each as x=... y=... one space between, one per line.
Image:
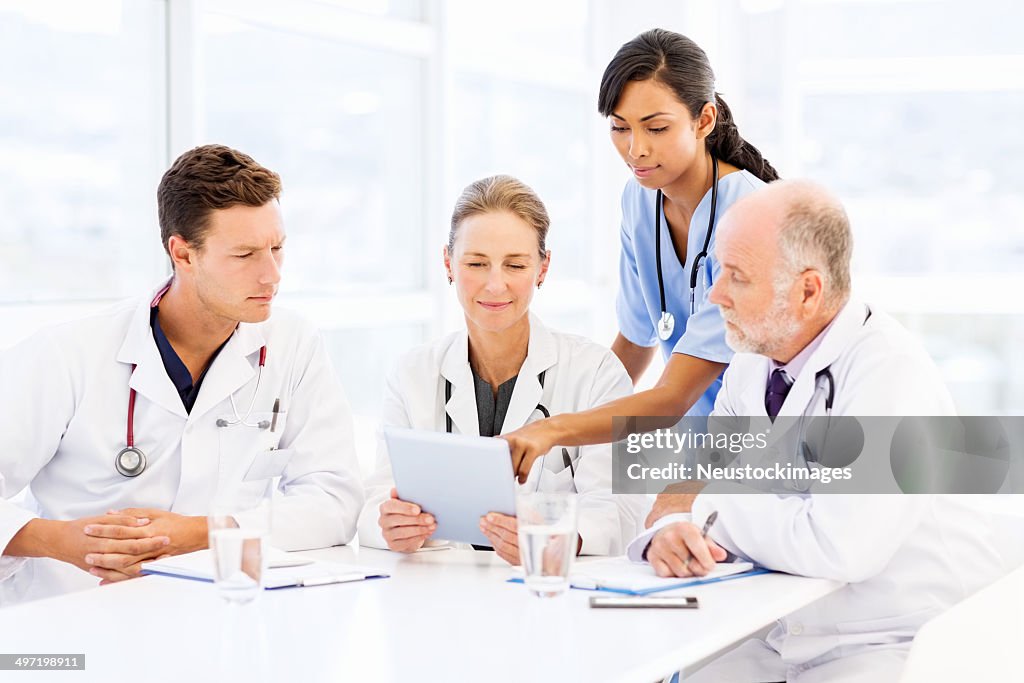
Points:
x=678 y=138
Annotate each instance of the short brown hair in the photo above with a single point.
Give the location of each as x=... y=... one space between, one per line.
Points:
x=208 y=178
x=501 y=193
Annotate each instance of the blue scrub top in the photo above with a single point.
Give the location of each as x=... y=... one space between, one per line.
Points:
x=638 y=305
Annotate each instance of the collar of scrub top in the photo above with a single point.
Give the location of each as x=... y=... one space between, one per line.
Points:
x=667 y=322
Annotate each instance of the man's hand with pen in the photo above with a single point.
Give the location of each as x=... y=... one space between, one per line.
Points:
x=683 y=549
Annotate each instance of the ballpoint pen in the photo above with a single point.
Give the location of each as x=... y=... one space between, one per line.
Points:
x=704 y=531
x=277 y=409
x=707 y=524
x=331 y=578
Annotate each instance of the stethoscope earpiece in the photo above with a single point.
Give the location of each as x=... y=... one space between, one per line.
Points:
x=131 y=461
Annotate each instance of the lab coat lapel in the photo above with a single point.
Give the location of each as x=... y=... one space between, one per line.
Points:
x=150 y=379
x=750 y=399
x=751 y=395
x=462 y=405
x=837 y=338
x=235 y=366
x=541 y=355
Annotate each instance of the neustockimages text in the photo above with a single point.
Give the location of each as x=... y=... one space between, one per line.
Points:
x=777 y=472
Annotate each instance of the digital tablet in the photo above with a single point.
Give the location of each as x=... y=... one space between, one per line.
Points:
x=456 y=478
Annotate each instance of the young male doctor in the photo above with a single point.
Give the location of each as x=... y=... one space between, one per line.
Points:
x=785 y=297
x=124 y=426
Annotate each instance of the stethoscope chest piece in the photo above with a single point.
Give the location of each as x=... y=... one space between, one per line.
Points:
x=666 y=325
x=130 y=462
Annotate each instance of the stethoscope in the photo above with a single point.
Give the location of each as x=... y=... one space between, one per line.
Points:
x=541 y=408
x=805 y=451
x=667 y=322
x=131 y=461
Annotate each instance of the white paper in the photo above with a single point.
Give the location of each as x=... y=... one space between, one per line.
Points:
x=284 y=569
x=620 y=573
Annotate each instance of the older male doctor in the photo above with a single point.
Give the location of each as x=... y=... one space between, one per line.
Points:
x=124 y=426
x=785 y=297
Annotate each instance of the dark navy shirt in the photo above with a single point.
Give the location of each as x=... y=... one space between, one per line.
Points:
x=174 y=366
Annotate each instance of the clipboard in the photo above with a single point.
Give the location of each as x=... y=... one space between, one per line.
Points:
x=198 y=566
x=612 y=575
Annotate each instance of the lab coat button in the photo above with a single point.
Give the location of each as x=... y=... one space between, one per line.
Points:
x=796 y=629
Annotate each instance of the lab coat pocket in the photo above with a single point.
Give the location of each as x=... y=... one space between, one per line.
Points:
x=268 y=464
x=556 y=476
x=240 y=444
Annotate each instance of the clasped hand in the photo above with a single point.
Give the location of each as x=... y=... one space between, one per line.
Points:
x=114 y=546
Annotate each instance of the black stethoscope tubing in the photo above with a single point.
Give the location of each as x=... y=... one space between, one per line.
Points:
x=666 y=323
x=830 y=398
x=567 y=461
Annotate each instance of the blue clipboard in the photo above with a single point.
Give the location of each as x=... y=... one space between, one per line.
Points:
x=685 y=583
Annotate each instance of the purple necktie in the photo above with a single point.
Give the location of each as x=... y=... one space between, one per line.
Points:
x=778 y=386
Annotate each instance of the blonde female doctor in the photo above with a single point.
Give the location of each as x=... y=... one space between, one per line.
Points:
x=505 y=370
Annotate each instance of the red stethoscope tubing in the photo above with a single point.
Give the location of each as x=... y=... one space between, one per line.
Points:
x=130 y=440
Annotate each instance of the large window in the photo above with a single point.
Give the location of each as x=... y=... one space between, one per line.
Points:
x=342 y=125
x=82 y=144
x=523 y=104
x=910 y=112
x=377 y=113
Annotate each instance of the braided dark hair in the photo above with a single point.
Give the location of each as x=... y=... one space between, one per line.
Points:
x=680 y=64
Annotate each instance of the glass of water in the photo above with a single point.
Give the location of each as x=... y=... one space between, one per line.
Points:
x=547 y=540
x=239 y=538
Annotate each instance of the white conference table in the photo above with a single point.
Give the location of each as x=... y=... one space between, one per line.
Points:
x=978 y=639
x=447 y=615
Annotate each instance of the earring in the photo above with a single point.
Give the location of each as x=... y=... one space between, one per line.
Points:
x=450 y=280
x=539 y=284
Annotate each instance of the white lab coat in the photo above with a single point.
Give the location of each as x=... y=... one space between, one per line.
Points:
x=63 y=413
x=579 y=375
x=905 y=557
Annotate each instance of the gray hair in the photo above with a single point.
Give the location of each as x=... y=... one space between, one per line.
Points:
x=815 y=233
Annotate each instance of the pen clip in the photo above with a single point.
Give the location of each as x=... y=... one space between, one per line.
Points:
x=277 y=411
